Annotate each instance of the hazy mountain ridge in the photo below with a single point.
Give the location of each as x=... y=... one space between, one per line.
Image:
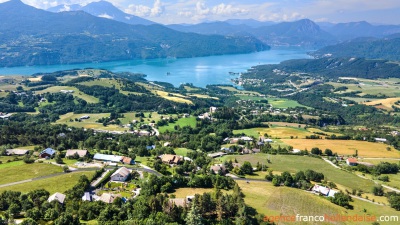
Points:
x=346 y=31
x=298 y=33
x=372 y=48
x=37 y=37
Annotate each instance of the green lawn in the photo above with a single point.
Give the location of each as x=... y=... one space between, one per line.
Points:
x=182 y=122
x=27 y=171
x=55 y=184
x=182 y=151
x=5 y=164
x=293 y=164
x=283 y=103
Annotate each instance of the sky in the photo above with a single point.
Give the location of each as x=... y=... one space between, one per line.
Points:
x=197 y=11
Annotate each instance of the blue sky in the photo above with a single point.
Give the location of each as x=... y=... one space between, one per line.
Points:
x=196 y=11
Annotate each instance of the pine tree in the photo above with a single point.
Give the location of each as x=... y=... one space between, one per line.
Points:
x=193 y=217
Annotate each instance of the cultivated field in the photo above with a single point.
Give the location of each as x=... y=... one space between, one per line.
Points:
x=347 y=147
x=275 y=132
x=77 y=93
x=173 y=97
x=385 y=104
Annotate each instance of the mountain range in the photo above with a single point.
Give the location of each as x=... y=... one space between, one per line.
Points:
x=99 y=32
x=304 y=32
x=103 y=9
x=32 y=36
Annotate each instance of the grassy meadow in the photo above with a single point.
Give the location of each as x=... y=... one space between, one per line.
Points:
x=77 y=93
x=182 y=122
x=283 y=103
x=19 y=172
x=293 y=164
x=275 y=201
x=52 y=184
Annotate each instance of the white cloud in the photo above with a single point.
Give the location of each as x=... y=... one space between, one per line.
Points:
x=228 y=10
x=279 y=17
x=202 y=9
x=106 y=16
x=185 y=13
x=146 y=11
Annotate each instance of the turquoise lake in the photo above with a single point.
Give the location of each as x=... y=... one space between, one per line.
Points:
x=199 y=71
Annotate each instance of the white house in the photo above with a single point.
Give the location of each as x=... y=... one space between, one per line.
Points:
x=57 y=197
x=351 y=161
x=121 y=174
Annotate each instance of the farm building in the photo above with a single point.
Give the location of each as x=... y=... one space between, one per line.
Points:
x=352 y=162
x=72 y=152
x=87 y=197
x=57 y=197
x=47 y=153
x=17 y=152
x=121 y=174
x=107 y=158
x=127 y=160
x=248 y=139
x=84 y=117
x=216 y=154
x=380 y=139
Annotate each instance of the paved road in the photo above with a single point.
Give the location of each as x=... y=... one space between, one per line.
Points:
x=149 y=170
x=95 y=182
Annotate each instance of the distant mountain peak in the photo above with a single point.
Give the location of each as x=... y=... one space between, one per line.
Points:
x=104 y=9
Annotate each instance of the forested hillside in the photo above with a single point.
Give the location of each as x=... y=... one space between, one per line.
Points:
x=370 y=48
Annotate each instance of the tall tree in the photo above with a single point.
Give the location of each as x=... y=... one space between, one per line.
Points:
x=194 y=217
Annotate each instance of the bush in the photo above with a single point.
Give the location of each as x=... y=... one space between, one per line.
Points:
x=378 y=190
x=384 y=178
